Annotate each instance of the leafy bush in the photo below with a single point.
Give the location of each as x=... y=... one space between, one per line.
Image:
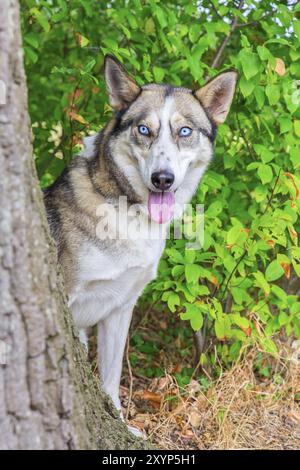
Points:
x=243 y=284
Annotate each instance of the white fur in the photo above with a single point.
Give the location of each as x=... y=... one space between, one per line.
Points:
x=88 y=150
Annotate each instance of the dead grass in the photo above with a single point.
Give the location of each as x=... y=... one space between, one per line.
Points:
x=238 y=411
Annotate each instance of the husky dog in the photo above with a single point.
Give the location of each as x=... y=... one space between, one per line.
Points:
x=154 y=152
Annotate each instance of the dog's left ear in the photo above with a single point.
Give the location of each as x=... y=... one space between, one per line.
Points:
x=122 y=89
x=216 y=96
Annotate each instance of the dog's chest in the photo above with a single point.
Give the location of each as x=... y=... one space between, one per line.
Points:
x=113 y=277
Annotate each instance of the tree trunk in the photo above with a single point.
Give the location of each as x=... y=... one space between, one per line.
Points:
x=49 y=399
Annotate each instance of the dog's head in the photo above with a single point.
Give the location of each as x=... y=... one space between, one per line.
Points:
x=163 y=137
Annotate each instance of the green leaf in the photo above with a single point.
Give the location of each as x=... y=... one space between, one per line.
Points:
x=295 y=308
x=41 y=19
x=283 y=318
x=297 y=127
x=280 y=293
x=30 y=54
x=192 y=273
x=214 y=209
x=250 y=63
x=194 y=314
x=246 y=86
x=267 y=155
x=83 y=41
x=203 y=290
x=264 y=53
x=150 y=26
x=177 y=270
x=32 y=39
x=273 y=93
x=233 y=234
x=285 y=123
x=220 y=329
x=160 y=15
x=90 y=65
x=172 y=301
x=194 y=32
x=158 y=73
x=259 y=96
x=283 y=41
x=274 y=271
x=269 y=346
x=265 y=173
x=242 y=322
x=197 y=322
x=296 y=26
x=261 y=282
x=190 y=256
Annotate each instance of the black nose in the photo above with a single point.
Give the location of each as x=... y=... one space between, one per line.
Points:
x=162 y=180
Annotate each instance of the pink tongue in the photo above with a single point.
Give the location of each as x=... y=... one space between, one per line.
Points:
x=161 y=206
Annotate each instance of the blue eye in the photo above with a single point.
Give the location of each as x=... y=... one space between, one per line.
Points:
x=143 y=130
x=185 y=131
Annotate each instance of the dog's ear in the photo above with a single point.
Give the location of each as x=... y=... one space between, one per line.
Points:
x=216 y=96
x=122 y=89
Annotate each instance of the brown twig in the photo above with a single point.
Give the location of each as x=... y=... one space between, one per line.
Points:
x=272 y=193
x=217 y=59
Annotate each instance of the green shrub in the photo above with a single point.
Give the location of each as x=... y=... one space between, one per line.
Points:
x=243 y=283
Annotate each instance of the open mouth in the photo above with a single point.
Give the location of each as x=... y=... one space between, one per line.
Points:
x=161 y=206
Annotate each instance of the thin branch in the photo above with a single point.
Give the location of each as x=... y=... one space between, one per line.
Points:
x=233 y=271
x=217 y=59
x=272 y=193
x=257 y=22
x=199 y=341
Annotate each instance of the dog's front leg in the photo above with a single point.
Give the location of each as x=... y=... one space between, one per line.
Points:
x=112 y=334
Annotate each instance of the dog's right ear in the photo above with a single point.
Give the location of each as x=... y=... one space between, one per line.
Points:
x=122 y=89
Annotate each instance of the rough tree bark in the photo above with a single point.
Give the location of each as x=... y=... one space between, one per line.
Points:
x=49 y=398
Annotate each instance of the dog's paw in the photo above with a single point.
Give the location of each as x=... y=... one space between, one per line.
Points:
x=137 y=432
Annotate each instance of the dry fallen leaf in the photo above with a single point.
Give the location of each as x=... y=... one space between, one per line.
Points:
x=177 y=369
x=280 y=67
x=152 y=396
x=287 y=269
x=78 y=118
